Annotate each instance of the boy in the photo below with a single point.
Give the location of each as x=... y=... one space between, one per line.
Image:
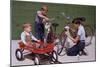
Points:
x=41 y=18
x=26 y=35
x=79 y=39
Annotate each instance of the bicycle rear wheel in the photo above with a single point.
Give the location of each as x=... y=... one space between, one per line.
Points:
x=89 y=35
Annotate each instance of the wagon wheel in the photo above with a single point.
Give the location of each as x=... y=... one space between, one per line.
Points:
x=19 y=54
x=37 y=59
x=61 y=47
x=89 y=35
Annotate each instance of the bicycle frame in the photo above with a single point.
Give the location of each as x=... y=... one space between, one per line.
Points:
x=50 y=37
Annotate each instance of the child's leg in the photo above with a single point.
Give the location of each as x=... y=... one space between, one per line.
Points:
x=76 y=49
x=73 y=51
x=81 y=45
x=39 y=31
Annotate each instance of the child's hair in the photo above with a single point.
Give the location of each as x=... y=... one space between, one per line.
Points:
x=25 y=25
x=77 y=22
x=44 y=7
x=82 y=19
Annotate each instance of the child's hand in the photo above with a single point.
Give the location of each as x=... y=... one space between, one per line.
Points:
x=46 y=19
x=27 y=44
x=38 y=40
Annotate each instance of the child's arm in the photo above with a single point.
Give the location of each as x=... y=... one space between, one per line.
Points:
x=75 y=40
x=42 y=16
x=34 y=38
x=23 y=38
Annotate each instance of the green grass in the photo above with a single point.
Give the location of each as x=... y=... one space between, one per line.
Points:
x=25 y=12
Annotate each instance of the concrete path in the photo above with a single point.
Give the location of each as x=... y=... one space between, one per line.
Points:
x=64 y=59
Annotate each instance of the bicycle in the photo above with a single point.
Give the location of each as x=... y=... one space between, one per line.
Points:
x=64 y=44
x=51 y=34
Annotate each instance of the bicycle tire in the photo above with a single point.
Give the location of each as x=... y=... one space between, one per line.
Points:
x=89 y=34
x=60 y=50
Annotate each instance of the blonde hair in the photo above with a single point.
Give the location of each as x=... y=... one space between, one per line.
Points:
x=44 y=7
x=25 y=25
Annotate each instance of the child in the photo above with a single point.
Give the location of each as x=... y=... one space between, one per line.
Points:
x=79 y=39
x=26 y=35
x=41 y=18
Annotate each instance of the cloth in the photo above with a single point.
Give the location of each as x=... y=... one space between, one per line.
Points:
x=74 y=51
x=39 y=27
x=27 y=37
x=37 y=18
x=81 y=32
x=39 y=31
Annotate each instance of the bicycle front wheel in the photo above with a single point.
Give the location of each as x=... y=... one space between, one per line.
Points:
x=61 y=48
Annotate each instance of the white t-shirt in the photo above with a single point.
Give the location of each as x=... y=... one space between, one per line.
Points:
x=81 y=32
x=23 y=37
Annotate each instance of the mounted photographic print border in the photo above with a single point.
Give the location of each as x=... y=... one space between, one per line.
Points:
x=52 y=33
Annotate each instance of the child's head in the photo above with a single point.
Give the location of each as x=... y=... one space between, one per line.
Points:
x=82 y=19
x=76 y=23
x=44 y=9
x=27 y=27
x=78 y=20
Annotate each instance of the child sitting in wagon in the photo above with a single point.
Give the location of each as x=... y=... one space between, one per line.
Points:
x=26 y=35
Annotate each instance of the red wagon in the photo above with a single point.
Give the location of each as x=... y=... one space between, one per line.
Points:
x=46 y=49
